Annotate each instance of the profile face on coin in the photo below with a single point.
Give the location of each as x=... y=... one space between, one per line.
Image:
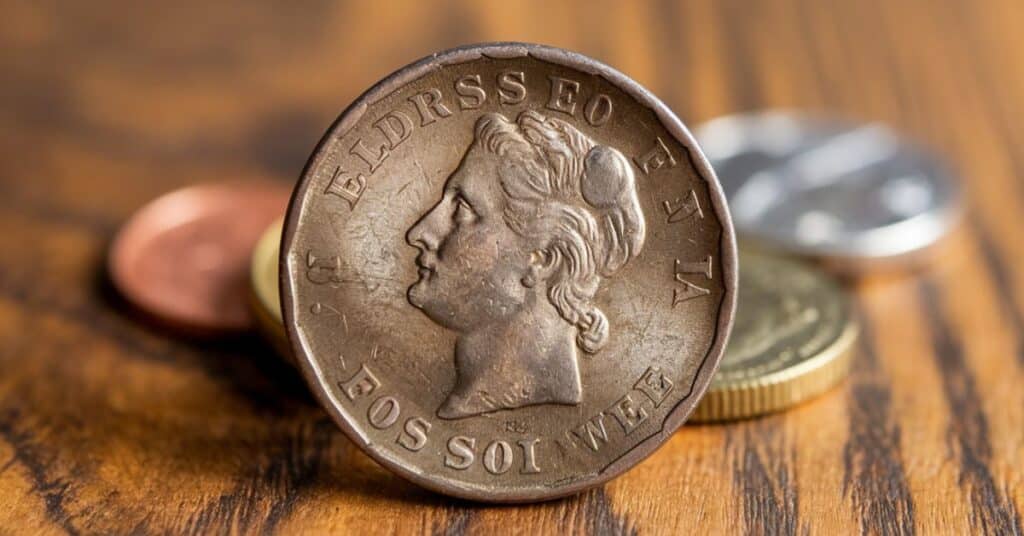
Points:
x=511 y=256
x=508 y=272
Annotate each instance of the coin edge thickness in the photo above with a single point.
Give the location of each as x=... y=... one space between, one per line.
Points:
x=784 y=388
x=672 y=124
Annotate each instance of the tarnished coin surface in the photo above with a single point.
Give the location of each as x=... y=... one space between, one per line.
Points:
x=183 y=259
x=508 y=272
x=857 y=194
x=791 y=341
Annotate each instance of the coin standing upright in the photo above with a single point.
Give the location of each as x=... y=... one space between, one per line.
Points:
x=508 y=272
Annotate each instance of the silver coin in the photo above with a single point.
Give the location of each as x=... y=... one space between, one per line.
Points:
x=827 y=188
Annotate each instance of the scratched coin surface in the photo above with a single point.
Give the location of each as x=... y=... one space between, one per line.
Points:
x=858 y=195
x=791 y=341
x=508 y=272
x=183 y=259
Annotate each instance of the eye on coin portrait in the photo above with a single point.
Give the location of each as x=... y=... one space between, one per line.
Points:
x=508 y=272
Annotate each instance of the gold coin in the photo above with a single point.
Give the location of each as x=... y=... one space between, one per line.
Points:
x=265 y=299
x=791 y=341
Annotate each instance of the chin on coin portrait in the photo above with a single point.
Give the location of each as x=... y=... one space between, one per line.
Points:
x=535 y=216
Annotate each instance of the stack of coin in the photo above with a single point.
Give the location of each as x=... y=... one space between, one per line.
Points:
x=472 y=248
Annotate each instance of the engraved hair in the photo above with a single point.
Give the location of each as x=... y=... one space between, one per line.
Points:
x=577 y=197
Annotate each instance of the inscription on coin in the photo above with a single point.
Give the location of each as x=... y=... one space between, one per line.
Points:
x=493 y=226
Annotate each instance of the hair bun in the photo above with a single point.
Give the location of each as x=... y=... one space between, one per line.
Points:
x=606 y=178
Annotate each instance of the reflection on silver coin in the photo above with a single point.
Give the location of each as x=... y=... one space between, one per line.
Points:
x=830 y=189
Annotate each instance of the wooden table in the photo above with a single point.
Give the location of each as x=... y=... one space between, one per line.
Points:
x=109 y=426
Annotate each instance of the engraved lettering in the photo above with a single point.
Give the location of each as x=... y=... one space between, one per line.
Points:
x=383 y=412
x=656 y=158
x=362 y=383
x=471 y=94
x=655 y=385
x=428 y=104
x=415 y=436
x=460 y=452
x=396 y=127
x=518 y=427
x=598 y=110
x=511 y=87
x=346 y=186
x=699 y=267
x=690 y=290
x=629 y=415
x=366 y=154
x=322 y=271
x=498 y=457
x=684 y=209
x=592 y=432
x=563 y=94
x=529 y=456
x=538 y=341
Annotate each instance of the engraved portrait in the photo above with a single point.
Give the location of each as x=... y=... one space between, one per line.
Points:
x=532 y=221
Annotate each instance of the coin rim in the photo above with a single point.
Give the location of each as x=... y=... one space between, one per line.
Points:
x=783 y=388
x=727 y=244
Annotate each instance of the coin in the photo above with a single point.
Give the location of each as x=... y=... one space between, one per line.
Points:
x=183 y=258
x=854 y=194
x=508 y=272
x=791 y=341
x=265 y=298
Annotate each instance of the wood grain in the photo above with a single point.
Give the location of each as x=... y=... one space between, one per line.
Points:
x=108 y=426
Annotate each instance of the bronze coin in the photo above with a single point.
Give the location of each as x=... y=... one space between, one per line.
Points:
x=508 y=272
x=184 y=257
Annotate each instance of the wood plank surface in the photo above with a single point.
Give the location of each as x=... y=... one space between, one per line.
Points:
x=108 y=426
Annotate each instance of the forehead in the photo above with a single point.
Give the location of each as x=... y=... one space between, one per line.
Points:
x=477 y=173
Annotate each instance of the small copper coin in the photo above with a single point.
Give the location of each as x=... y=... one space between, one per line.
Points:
x=184 y=257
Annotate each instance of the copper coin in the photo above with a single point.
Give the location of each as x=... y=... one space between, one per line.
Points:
x=184 y=257
x=508 y=272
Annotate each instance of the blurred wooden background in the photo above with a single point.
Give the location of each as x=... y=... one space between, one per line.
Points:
x=108 y=426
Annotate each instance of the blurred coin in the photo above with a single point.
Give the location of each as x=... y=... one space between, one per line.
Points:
x=508 y=273
x=184 y=257
x=266 y=301
x=857 y=194
x=791 y=341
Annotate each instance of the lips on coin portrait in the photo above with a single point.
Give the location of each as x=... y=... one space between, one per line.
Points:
x=508 y=272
